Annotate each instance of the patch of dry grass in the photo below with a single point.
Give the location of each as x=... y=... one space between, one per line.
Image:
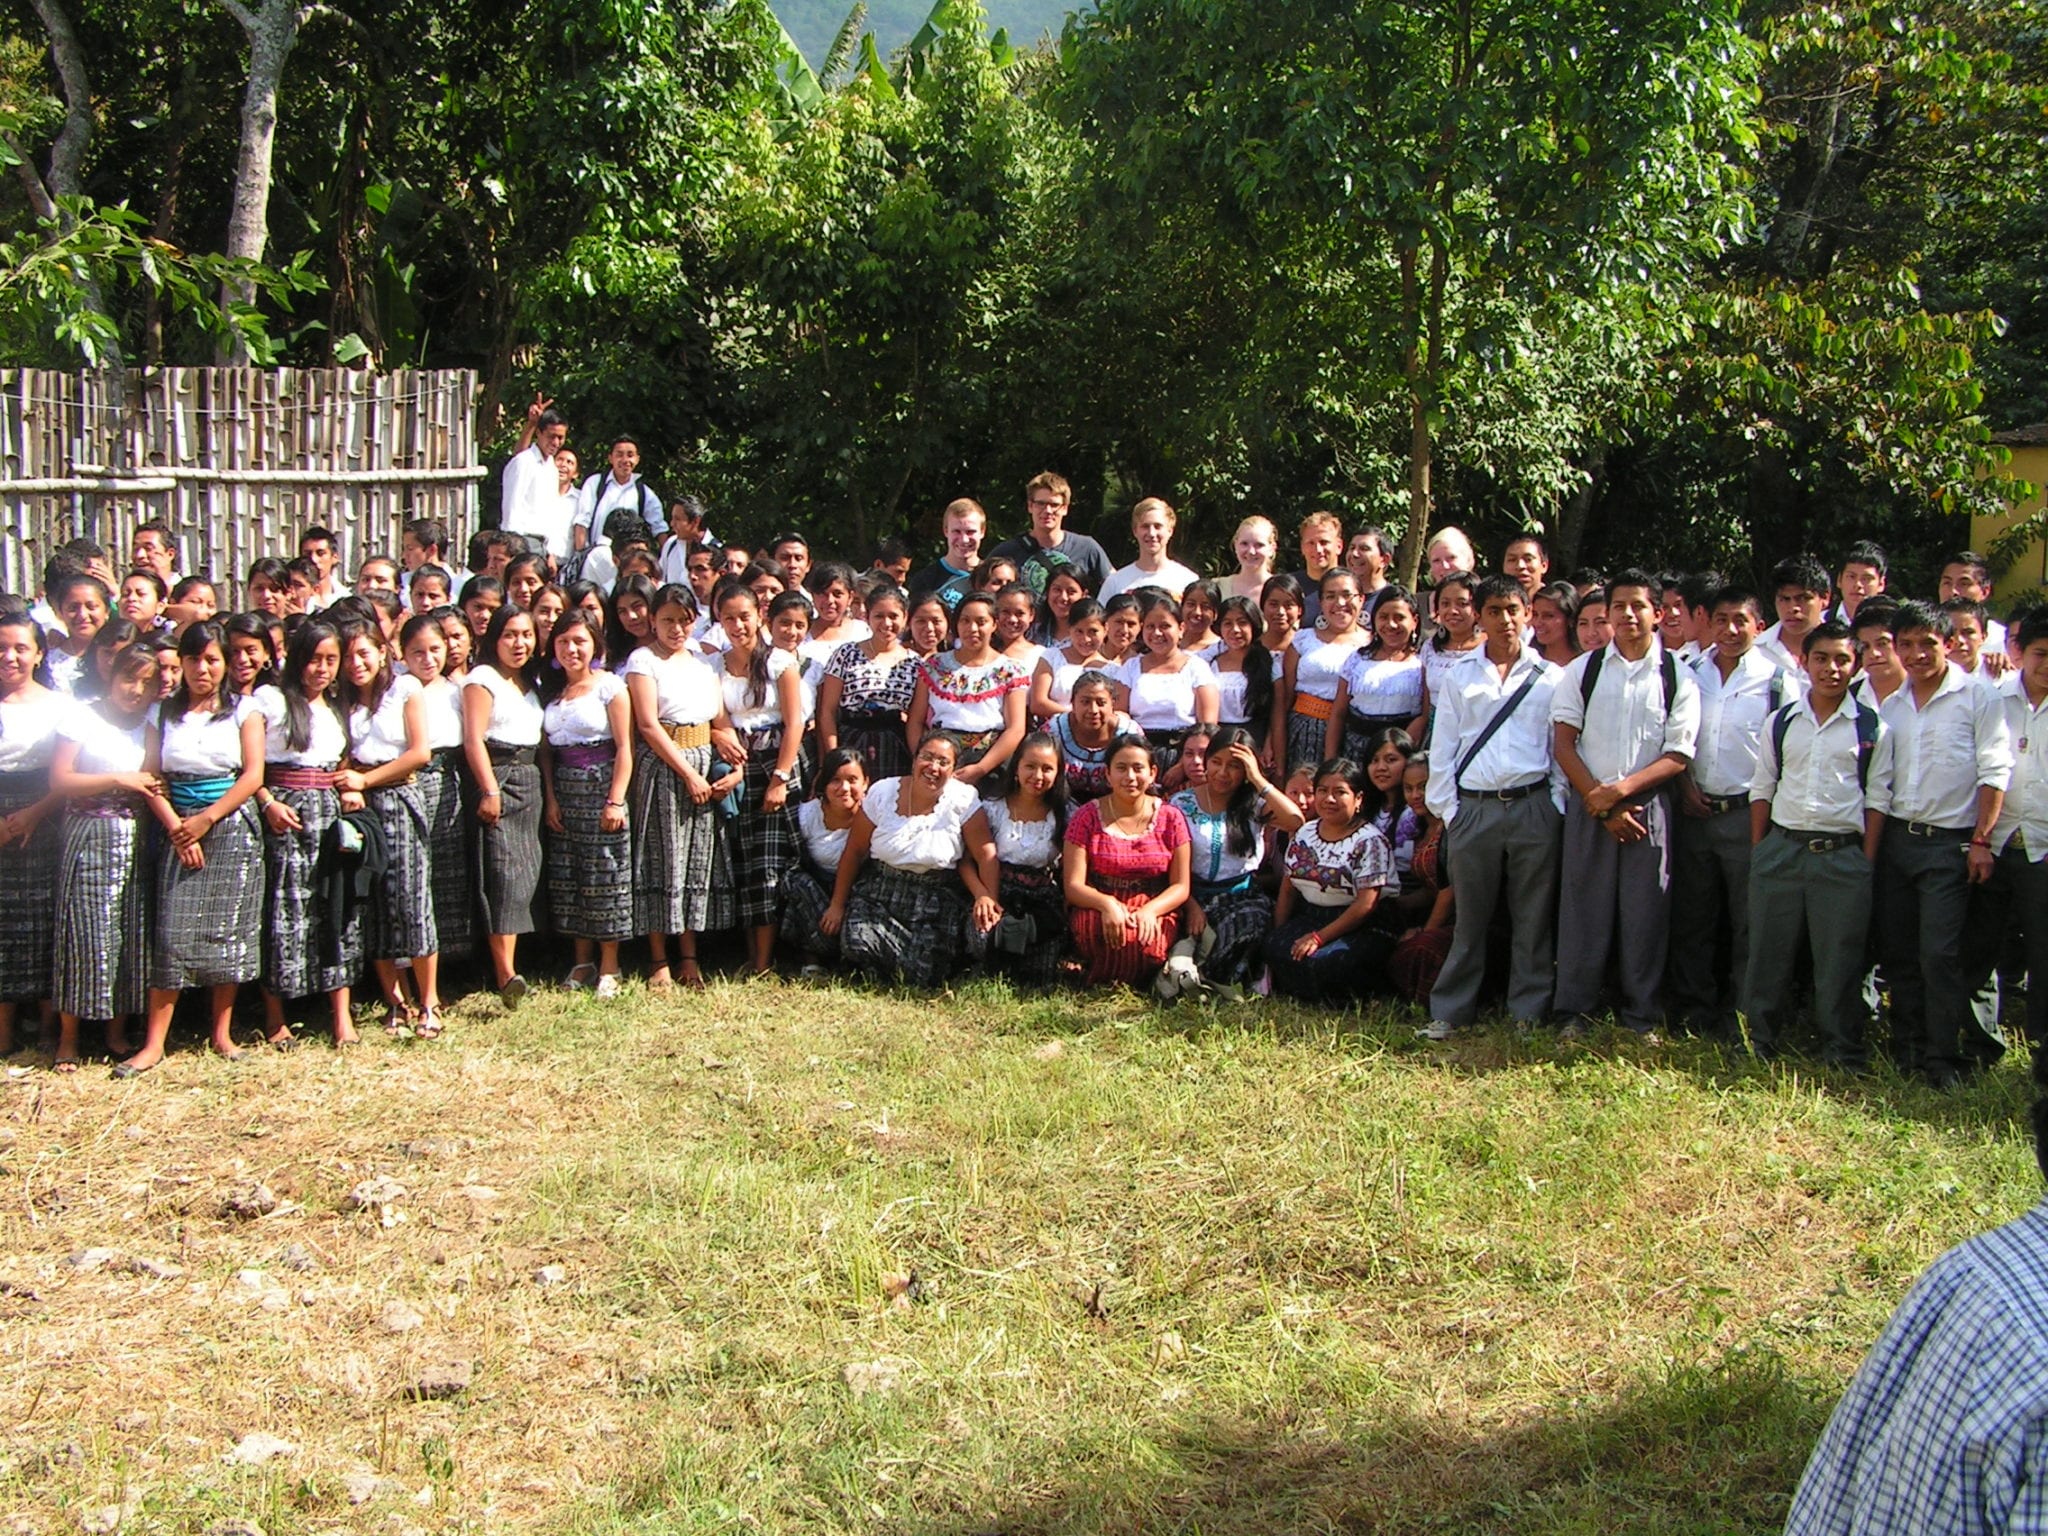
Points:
x=1253 y=1271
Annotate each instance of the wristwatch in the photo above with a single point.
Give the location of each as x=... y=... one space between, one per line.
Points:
x=780 y=776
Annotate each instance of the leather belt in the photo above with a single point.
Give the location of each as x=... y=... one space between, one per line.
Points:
x=1819 y=842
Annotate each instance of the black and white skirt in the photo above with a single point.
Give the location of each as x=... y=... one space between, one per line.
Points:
x=209 y=920
x=1036 y=894
x=677 y=852
x=590 y=870
x=451 y=855
x=307 y=946
x=508 y=854
x=765 y=842
x=103 y=902
x=401 y=924
x=806 y=893
x=27 y=876
x=1241 y=916
x=905 y=926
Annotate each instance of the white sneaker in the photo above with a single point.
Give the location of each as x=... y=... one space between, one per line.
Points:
x=1438 y=1030
x=608 y=986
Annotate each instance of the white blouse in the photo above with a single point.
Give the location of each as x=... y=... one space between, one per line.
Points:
x=747 y=716
x=1024 y=844
x=685 y=687
x=199 y=746
x=584 y=721
x=378 y=737
x=1165 y=701
x=326 y=743
x=919 y=844
x=444 y=714
x=1384 y=686
x=1231 y=688
x=1215 y=862
x=1321 y=662
x=28 y=731
x=515 y=710
x=1065 y=672
x=823 y=844
x=103 y=747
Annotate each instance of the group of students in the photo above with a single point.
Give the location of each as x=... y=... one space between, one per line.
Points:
x=1021 y=761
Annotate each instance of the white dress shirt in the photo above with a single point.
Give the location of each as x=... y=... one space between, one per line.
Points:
x=2026 y=799
x=1815 y=789
x=1625 y=727
x=1772 y=643
x=1947 y=750
x=1732 y=714
x=533 y=503
x=1172 y=577
x=1519 y=753
x=602 y=494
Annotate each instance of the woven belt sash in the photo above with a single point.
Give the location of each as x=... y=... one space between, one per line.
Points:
x=282 y=776
x=190 y=796
x=592 y=754
x=697 y=734
x=1309 y=707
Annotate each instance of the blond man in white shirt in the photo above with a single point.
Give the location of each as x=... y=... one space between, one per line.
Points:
x=1626 y=720
x=1818 y=804
x=1952 y=761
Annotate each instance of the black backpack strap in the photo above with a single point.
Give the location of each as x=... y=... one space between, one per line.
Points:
x=1866 y=743
x=1670 y=671
x=1781 y=722
x=1590 y=678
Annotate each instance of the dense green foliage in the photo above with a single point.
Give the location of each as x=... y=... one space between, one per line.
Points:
x=1691 y=280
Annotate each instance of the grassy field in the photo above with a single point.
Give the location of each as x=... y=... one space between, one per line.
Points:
x=783 y=1258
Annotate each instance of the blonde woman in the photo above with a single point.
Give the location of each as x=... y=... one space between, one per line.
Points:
x=1256 y=545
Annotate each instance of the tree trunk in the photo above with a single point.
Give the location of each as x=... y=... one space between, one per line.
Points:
x=184 y=124
x=1413 y=539
x=273 y=28
x=1576 y=513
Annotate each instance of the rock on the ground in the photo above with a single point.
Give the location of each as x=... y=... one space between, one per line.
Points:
x=101 y=1519
x=397 y=1317
x=86 y=1260
x=234 y=1528
x=154 y=1269
x=246 y=1202
x=439 y=1381
x=296 y=1257
x=550 y=1275
x=377 y=1192
x=252 y=1450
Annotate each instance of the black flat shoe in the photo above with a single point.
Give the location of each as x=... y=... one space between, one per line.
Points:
x=124 y=1070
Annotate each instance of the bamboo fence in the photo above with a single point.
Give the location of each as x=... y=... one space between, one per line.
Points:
x=239 y=462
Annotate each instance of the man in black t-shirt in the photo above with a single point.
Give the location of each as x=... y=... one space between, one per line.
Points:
x=1048 y=548
x=951 y=575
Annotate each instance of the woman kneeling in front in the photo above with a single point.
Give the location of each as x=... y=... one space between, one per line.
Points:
x=1335 y=870
x=1127 y=868
x=898 y=905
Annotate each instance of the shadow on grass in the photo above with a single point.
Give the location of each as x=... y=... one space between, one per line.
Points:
x=1707 y=1449
x=1711 y=1448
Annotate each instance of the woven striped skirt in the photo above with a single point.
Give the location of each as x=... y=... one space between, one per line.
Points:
x=307 y=946
x=590 y=870
x=905 y=926
x=27 y=876
x=880 y=741
x=508 y=858
x=400 y=923
x=209 y=920
x=678 y=854
x=1241 y=916
x=1132 y=963
x=806 y=893
x=1360 y=729
x=451 y=856
x=764 y=843
x=1036 y=894
x=103 y=902
x=1306 y=735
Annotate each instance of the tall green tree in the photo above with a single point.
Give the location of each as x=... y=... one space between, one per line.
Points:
x=1511 y=148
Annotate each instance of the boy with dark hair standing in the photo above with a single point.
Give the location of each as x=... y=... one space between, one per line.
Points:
x=1952 y=760
x=1697 y=590
x=322 y=549
x=1493 y=780
x=1739 y=689
x=1862 y=577
x=1527 y=561
x=1881 y=675
x=1799 y=592
x=1967 y=622
x=2018 y=890
x=1967 y=574
x=1626 y=719
x=1816 y=819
